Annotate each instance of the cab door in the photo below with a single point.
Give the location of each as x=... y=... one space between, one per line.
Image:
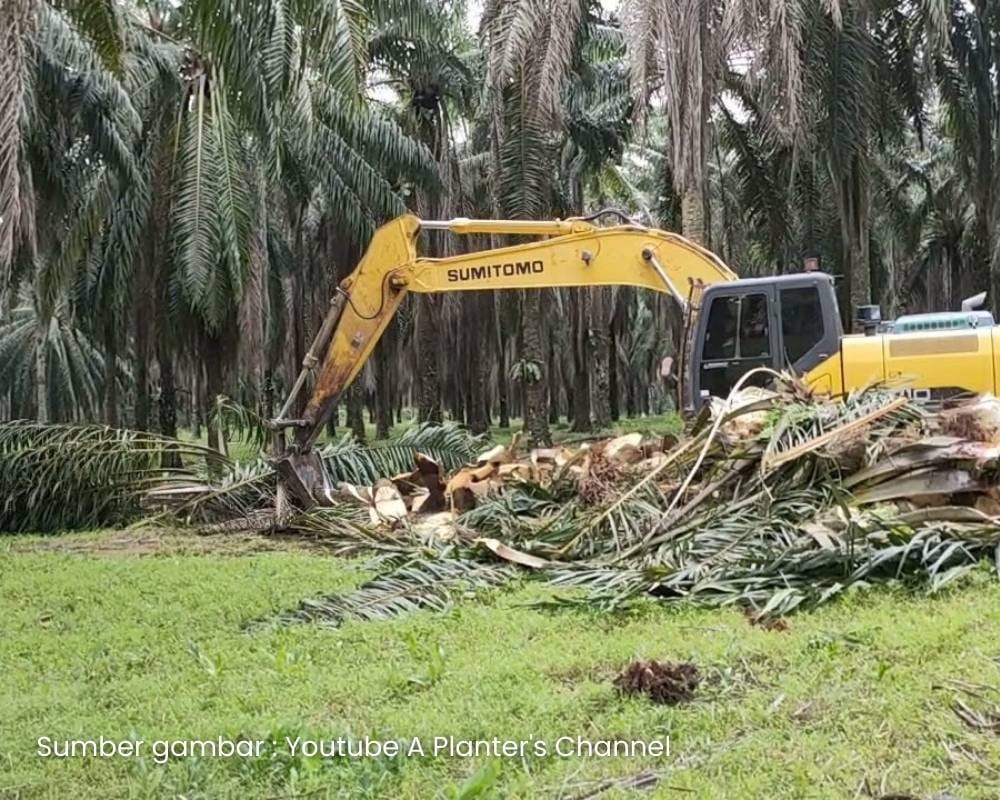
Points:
x=810 y=330
x=739 y=335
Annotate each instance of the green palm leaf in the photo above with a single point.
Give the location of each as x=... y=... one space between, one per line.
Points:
x=58 y=477
x=417 y=584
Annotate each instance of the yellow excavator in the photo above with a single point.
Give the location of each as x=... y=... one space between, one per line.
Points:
x=787 y=322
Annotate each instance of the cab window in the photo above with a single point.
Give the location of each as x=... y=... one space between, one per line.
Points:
x=737 y=328
x=720 y=333
x=755 y=337
x=801 y=321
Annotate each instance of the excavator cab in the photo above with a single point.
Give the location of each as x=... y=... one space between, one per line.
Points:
x=789 y=322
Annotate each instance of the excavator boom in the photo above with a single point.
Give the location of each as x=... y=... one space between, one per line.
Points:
x=575 y=253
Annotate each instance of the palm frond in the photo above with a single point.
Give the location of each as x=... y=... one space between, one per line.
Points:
x=73 y=71
x=233 y=195
x=416 y=584
x=100 y=21
x=75 y=371
x=449 y=445
x=59 y=477
x=213 y=207
x=564 y=22
x=239 y=422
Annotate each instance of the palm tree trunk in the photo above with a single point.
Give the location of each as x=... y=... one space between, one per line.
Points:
x=428 y=354
x=215 y=388
x=503 y=393
x=384 y=357
x=479 y=353
x=252 y=311
x=861 y=280
x=16 y=30
x=554 y=380
x=852 y=204
x=196 y=403
x=5 y=391
x=356 y=410
x=693 y=215
x=618 y=372
x=727 y=236
x=168 y=400
x=582 y=349
x=111 y=416
x=268 y=398
x=142 y=400
x=168 y=390
x=536 y=418
x=41 y=373
x=601 y=365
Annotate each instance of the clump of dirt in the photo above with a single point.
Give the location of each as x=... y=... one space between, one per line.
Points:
x=662 y=681
x=755 y=618
x=848 y=451
x=978 y=421
x=600 y=481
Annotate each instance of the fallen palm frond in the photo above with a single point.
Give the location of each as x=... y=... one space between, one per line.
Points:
x=779 y=503
x=62 y=477
x=988 y=720
x=424 y=582
x=57 y=477
x=245 y=489
x=238 y=422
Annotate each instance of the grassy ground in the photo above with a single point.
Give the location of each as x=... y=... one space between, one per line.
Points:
x=143 y=636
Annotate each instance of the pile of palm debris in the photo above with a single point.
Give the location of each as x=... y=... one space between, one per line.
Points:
x=771 y=500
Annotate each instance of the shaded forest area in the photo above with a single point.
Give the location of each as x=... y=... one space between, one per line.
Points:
x=183 y=184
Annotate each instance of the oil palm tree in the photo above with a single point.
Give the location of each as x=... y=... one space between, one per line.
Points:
x=68 y=119
x=963 y=40
x=530 y=48
x=676 y=52
x=430 y=67
x=201 y=123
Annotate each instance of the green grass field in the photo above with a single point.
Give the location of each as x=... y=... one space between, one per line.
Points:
x=143 y=636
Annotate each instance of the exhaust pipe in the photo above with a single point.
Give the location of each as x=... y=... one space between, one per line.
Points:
x=974 y=302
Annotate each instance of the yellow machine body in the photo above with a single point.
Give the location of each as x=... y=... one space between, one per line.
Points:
x=923 y=365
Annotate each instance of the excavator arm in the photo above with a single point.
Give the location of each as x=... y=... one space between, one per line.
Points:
x=576 y=253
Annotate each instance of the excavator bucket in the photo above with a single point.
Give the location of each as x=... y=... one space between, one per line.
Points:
x=303 y=476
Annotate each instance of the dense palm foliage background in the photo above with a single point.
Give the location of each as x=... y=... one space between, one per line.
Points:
x=182 y=183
